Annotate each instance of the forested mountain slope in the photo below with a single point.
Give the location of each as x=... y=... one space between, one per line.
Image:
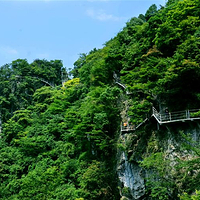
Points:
x=60 y=141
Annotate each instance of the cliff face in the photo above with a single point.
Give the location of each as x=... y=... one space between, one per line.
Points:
x=130 y=174
x=149 y=165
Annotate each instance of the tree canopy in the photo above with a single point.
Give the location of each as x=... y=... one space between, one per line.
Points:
x=59 y=141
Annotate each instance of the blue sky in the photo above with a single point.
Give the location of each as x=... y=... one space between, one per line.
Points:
x=49 y=29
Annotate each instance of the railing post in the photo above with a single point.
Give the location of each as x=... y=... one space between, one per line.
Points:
x=187 y=114
x=153 y=110
x=170 y=117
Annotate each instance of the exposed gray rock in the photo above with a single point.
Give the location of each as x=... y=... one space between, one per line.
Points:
x=131 y=179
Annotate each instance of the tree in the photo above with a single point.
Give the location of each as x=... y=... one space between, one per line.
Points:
x=151 y=12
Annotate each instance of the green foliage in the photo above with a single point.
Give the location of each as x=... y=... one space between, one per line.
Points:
x=19 y=80
x=92 y=181
x=160 y=183
x=57 y=136
x=177 y=26
x=60 y=142
x=185 y=196
x=167 y=176
x=151 y=12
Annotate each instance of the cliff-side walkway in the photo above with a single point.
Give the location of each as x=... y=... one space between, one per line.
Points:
x=165 y=118
x=180 y=116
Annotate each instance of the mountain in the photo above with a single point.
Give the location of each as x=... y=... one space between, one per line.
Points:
x=94 y=136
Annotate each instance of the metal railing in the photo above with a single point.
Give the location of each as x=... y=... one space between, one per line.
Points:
x=163 y=118
x=176 y=116
x=129 y=127
x=126 y=127
x=123 y=86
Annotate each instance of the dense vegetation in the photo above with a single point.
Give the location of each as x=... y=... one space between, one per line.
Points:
x=60 y=141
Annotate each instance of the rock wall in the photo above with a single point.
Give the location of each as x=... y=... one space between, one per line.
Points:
x=131 y=175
